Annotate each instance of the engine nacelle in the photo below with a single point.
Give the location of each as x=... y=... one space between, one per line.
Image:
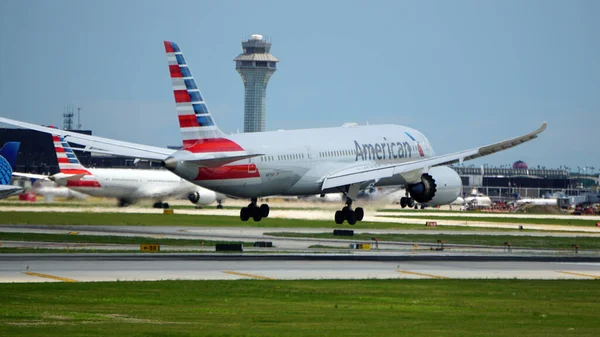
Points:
x=440 y=186
x=205 y=198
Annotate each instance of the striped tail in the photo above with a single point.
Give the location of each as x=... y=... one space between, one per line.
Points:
x=67 y=160
x=199 y=131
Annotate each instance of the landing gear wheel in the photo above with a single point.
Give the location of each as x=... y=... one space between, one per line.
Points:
x=410 y=202
x=256 y=214
x=245 y=214
x=351 y=217
x=157 y=204
x=264 y=210
x=339 y=217
x=360 y=213
x=403 y=202
x=219 y=206
x=165 y=205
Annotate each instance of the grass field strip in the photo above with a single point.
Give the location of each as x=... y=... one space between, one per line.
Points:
x=578 y=274
x=258 y=277
x=420 y=274
x=52 y=277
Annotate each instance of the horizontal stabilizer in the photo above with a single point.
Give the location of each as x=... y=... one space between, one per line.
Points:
x=30 y=176
x=115 y=147
x=211 y=161
x=68 y=177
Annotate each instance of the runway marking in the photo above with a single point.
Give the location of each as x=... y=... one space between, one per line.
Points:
x=231 y=272
x=579 y=274
x=421 y=274
x=64 y=279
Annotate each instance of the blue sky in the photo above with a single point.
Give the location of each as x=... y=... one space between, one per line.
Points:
x=465 y=73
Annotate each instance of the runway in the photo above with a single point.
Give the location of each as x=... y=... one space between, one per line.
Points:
x=136 y=267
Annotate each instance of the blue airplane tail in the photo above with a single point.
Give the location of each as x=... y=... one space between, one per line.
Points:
x=9 y=151
x=8 y=158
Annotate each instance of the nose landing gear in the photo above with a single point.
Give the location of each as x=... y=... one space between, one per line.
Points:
x=347 y=213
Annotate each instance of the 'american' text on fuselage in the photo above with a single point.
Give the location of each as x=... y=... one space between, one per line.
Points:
x=382 y=151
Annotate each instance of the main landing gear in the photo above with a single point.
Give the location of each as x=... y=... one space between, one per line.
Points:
x=254 y=211
x=347 y=213
x=159 y=204
x=123 y=202
x=407 y=201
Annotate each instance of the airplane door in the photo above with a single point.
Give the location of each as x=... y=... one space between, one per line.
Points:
x=251 y=165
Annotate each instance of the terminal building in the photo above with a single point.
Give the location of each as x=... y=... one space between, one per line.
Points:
x=507 y=183
x=255 y=65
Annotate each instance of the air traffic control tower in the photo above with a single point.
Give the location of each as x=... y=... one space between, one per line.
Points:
x=255 y=65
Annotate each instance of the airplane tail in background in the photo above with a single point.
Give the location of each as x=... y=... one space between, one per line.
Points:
x=199 y=131
x=8 y=156
x=67 y=160
x=9 y=151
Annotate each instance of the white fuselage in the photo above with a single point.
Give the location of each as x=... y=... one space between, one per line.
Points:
x=296 y=162
x=129 y=184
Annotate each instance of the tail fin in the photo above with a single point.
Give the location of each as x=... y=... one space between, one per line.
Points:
x=9 y=151
x=8 y=156
x=67 y=160
x=198 y=130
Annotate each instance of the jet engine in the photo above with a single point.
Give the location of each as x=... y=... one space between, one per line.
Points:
x=440 y=186
x=204 y=198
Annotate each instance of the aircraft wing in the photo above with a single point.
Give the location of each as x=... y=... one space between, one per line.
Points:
x=375 y=172
x=104 y=145
x=8 y=190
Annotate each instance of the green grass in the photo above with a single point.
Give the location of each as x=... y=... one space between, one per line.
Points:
x=83 y=204
x=128 y=219
x=541 y=221
x=16 y=250
x=587 y=243
x=108 y=239
x=122 y=219
x=416 y=211
x=302 y=308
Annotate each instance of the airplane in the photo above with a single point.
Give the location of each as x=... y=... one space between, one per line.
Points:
x=126 y=185
x=343 y=159
x=537 y=201
x=8 y=157
x=477 y=199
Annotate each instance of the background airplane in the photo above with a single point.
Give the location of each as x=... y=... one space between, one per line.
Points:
x=8 y=157
x=296 y=162
x=126 y=185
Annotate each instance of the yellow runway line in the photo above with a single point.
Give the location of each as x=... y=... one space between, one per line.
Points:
x=64 y=279
x=421 y=274
x=248 y=275
x=579 y=274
